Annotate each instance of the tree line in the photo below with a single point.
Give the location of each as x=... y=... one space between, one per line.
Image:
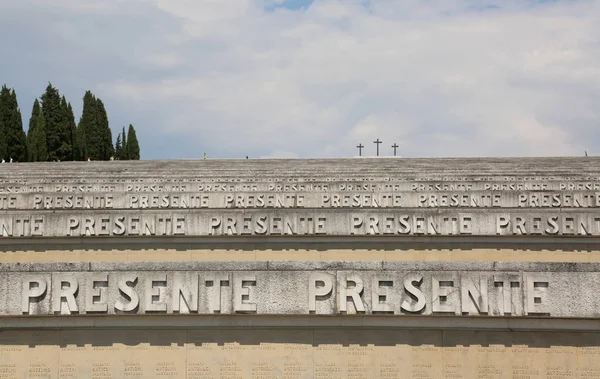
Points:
x=53 y=134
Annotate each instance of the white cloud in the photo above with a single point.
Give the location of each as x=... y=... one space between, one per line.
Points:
x=439 y=78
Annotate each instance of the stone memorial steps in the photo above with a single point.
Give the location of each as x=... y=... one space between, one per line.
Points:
x=323 y=168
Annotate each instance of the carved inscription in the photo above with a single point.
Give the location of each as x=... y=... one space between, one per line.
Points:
x=101 y=370
x=543 y=355
x=399 y=293
x=286 y=199
x=8 y=370
x=333 y=183
x=39 y=370
x=290 y=222
x=116 y=225
x=338 y=199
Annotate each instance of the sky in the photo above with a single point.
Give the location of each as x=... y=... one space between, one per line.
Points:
x=310 y=79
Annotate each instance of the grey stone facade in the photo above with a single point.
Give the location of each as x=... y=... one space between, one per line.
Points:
x=382 y=204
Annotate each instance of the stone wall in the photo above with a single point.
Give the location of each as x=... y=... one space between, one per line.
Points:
x=490 y=289
x=332 y=268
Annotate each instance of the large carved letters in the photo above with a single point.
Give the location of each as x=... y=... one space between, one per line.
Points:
x=474 y=294
x=33 y=289
x=214 y=282
x=536 y=291
x=129 y=300
x=320 y=285
x=381 y=290
x=96 y=293
x=350 y=288
x=415 y=301
x=184 y=296
x=318 y=292
x=64 y=289
x=243 y=302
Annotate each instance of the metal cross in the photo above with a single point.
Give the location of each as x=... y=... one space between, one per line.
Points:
x=377 y=142
x=395 y=146
x=360 y=147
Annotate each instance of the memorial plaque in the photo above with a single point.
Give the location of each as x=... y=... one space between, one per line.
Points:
x=296 y=353
x=76 y=354
x=457 y=355
x=425 y=354
x=203 y=354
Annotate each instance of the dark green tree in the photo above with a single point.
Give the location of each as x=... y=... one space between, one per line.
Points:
x=70 y=126
x=4 y=118
x=38 y=147
x=87 y=118
x=124 y=155
x=2 y=136
x=31 y=152
x=93 y=134
x=58 y=133
x=88 y=129
x=73 y=127
x=81 y=152
x=133 y=147
x=14 y=141
x=108 y=150
x=118 y=147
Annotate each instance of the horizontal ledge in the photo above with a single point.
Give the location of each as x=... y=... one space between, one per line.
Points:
x=298 y=321
x=462 y=240
x=301 y=265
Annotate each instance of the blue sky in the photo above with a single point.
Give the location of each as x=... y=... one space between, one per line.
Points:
x=288 y=4
x=298 y=78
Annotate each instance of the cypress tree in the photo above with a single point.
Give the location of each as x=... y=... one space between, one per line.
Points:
x=5 y=119
x=69 y=126
x=81 y=152
x=124 y=154
x=2 y=136
x=88 y=129
x=118 y=147
x=73 y=127
x=31 y=152
x=16 y=139
x=63 y=108
x=58 y=134
x=107 y=148
x=13 y=141
x=93 y=134
x=133 y=147
x=81 y=139
x=39 y=146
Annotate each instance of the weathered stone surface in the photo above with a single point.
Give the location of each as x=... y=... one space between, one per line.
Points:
x=288 y=288
x=301 y=222
x=3 y=291
x=380 y=197
x=468 y=198
x=268 y=170
x=324 y=265
x=335 y=268
x=44 y=267
x=437 y=266
x=277 y=265
x=181 y=266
